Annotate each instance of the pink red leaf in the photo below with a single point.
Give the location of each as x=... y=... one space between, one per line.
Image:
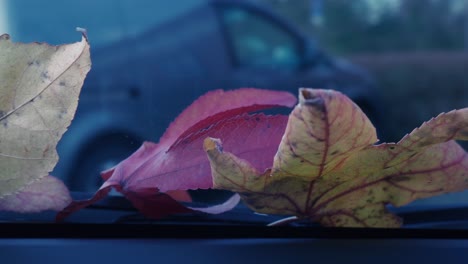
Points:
x=328 y=169
x=219 y=101
x=178 y=161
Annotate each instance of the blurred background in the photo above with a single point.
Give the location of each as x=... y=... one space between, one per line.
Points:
x=402 y=61
x=417 y=50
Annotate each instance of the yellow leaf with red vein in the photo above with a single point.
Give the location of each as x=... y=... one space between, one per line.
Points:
x=328 y=168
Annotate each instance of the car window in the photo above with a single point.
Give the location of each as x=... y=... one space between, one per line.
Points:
x=258 y=41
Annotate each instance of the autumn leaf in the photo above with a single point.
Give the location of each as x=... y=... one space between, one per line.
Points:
x=328 y=168
x=151 y=175
x=39 y=92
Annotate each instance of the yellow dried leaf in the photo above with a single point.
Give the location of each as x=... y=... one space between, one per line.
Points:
x=328 y=169
x=39 y=89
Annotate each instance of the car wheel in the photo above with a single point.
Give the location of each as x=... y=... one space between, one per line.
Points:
x=102 y=154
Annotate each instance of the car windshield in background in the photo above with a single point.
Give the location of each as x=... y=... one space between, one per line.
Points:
x=401 y=61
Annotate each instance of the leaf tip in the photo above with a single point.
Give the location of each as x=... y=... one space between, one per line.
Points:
x=83 y=32
x=307 y=96
x=210 y=144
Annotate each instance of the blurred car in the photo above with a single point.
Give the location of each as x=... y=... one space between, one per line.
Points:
x=141 y=80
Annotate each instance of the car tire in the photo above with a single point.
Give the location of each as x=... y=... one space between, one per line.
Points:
x=102 y=154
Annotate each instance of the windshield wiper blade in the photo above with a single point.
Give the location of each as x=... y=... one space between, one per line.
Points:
x=118 y=210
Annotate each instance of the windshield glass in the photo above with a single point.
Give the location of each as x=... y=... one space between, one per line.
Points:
x=400 y=62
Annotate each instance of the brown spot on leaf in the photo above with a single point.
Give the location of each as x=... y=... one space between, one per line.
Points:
x=45 y=75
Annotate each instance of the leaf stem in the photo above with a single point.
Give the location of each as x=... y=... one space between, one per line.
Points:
x=284 y=221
